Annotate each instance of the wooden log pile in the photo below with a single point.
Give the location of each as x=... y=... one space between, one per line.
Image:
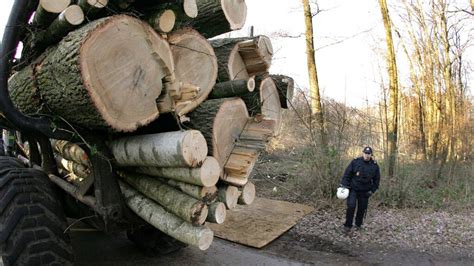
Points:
x=120 y=67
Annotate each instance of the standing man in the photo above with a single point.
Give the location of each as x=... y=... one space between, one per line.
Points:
x=362 y=177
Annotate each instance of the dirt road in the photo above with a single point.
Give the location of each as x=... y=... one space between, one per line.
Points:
x=96 y=248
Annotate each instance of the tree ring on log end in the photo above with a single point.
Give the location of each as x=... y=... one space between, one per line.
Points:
x=73 y=14
x=56 y=6
x=206 y=239
x=167 y=20
x=236 y=65
x=210 y=171
x=190 y=8
x=236 y=13
x=194 y=148
x=270 y=101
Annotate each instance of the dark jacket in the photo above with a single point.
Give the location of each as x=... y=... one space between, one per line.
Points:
x=362 y=175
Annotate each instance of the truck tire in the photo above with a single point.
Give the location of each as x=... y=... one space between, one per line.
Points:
x=153 y=242
x=32 y=222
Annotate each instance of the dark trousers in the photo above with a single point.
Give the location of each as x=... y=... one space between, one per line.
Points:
x=360 y=200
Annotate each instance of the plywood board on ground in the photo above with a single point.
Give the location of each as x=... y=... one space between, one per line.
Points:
x=260 y=223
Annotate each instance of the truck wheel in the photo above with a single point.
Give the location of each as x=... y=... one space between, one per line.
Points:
x=153 y=242
x=32 y=223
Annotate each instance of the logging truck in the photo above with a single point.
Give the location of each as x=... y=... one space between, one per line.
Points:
x=127 y=115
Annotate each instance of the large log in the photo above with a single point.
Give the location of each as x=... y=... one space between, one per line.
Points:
x=24 y=93
x=219 y=16
x=265 y=101
x=217 y=213
x=71 y=151
x=221 y=121
x=247 y=195
x=205 y=194
x=165 y=221
x=256 y=52
x=285 y=86
x=169 y=149
x=228 y=195
x=182 y=205
x=48 y=10
x=206 y=175
x=232 y=88
x=195 y=63
x=230 y=62
x=102 y=75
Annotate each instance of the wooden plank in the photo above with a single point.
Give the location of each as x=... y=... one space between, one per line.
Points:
x=260 y=223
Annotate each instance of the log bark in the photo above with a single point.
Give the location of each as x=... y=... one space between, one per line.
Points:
x=92 y=7
x=195 y=63
x=68 y=20
x=182 y=205
x=205 y=194
x=207 y=175
x=169 y=149
x=165 y=221
x=162 y=20
x=285 y=86
x=24 y=93
x=71 y=151
x=48 y=10
x=265 y=101
x=247 y=195
x=102 y=76
x=232 y=88
x=217 y=213
x=228 y=195
x=219 y=16
x=231 y=66
x=256 y=52
x=221 y=121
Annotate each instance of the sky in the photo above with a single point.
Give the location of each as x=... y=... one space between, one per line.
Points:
x=348 y=71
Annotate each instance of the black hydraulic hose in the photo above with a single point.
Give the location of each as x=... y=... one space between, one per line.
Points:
x=19 y=15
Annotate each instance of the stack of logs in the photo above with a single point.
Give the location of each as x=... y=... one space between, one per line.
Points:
x=116 y=66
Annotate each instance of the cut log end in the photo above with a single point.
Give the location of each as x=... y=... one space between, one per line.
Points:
x=73 y=15
x=210 y=171
x=229 y=195
x=97 y=3
x=248 y=194
x=165 y=22
x=200 y=214
x=194 y=148
x=190 y=8
x=54 y=6
x=217 y=213
x=251 y=84
x=206 y=238
x=236 y=13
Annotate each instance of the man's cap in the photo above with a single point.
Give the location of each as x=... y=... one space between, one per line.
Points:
x=367 y=150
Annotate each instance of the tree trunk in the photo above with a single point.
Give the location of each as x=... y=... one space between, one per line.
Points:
x=219 y=16
x=217 y=213
x=182 y=205
x=71 y=151
x=92 y=7
x=393 y=76
x=24 y=93
x=285 y=86
x=228 y=195
x=48 y=10
x=165 y=221
x=69 y=19
x=205 y=194
x=102 y=75
x=169 y=149
x=207 y=175
x=221 y=121
x=195 y=63
x=247 y=195
x=265 y=101
x=230 y=62
x=232 y=88
x=162 y=20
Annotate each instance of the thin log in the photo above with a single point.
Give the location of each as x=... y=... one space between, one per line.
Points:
x=228 y=195
x=247 y=195
x=48 y=10
x=206 y=175
x=182 y=205
x=205 y=194
x=195 y=63
x=68 y=20
x=217 y=213
x=71 y=151
x=112 y=81
x=219 y=16
x=285 y=87
x=92 y=7
x=73 y=167
x=221 y=121
x=162 y=20
x=232 y=88
x=169 y=149
x=256 y=52
x=165 y=221
x=265 y=101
